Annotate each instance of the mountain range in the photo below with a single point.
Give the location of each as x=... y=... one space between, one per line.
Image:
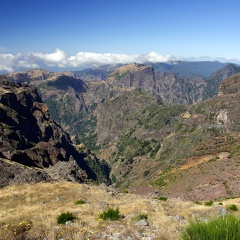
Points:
x=167 y=126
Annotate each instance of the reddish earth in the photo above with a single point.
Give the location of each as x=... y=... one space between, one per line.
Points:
x=196 y=160
x=204 y=178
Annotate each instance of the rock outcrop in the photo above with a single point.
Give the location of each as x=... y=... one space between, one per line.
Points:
x=30 y=140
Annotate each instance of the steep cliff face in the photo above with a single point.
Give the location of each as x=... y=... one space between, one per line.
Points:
x=171 y=88
x=30 y=138
x=133 y=76
x=25 y=125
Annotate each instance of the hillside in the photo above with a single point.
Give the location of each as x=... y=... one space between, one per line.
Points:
x=212 y=171
x=33 y=147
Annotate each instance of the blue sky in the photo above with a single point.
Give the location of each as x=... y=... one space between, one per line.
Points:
x=71 y=34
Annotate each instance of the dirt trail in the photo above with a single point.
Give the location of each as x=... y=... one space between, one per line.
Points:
x=196 y=160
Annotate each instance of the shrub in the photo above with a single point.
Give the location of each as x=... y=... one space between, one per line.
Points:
x=222 y=228
x=64 y=217
x=232 y=207
x=146 y=172
x=111 y=214
x=209 y=203
x=80 y=201
x=162 y=198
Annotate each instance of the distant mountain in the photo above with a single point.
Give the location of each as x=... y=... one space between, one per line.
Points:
x=169 y=87
x=183 y=69
x=225 y=72
x=217 y=77
x=187 y=69
x=96 y=74
x=35 y=77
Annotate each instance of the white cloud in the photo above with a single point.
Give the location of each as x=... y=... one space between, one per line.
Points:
x=50 y=59
x=8 y=61
x=25 y=64
x=155 y=57
x=61 y=60
x=91 y=58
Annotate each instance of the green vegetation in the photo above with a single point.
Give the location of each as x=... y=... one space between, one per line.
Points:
x=53 y=108
x=209 y=203
x=222 y=228
x=232 y=207
x=64 y=217
x=130 y=146
x=82 y=124
x=118 y=76
x=146 y=172
x=100 y=168
x=86 y=131
x=80 y=202
x=110 y=214
x=154 y=151
x=161 y=180
x=162 y=198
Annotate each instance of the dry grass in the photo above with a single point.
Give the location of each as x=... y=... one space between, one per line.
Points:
x=41 y=203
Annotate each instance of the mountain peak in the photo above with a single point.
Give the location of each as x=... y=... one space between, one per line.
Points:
x=133 y=67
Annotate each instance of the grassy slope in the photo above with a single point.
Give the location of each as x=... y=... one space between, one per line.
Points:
x=42 y=203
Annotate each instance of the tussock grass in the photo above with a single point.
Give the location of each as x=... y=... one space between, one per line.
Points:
x=110 y=214
x=208 y=203
x=64 y=217
x=232 y=207
x=222 y=228
x=80 y=202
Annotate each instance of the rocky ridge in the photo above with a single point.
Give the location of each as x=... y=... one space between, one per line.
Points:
x=31 y=141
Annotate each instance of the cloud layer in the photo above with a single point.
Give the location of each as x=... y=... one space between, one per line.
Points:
x=60 y=60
